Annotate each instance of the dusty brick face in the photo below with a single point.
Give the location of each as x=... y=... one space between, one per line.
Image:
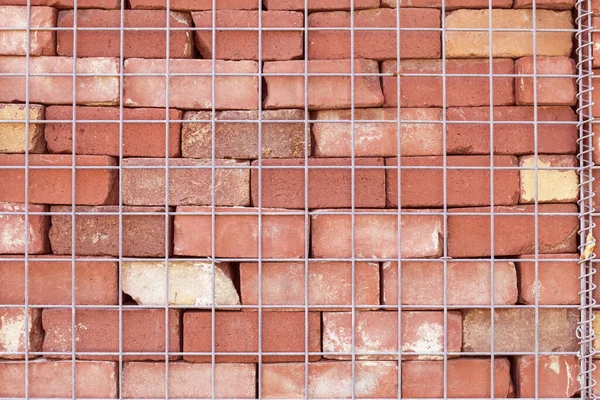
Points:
x=330 y=379
x=511 y=138
x=553 y=186
x=69 y=4
x=97 y=233
x=470 y=235
x=143 y=44
x=327 y=187
x=283 y=236
x=557 y=281
x=376 y=236
x=449 y=4
x=186 y=380
x=145 y=139
x=424 y=187
x=373 y=44
x=557 y=376
x=14 y=43
x=376 y=333
x=12 y=229
x=14 y=333
x=195 y=5
x=239 y=140
x=191 y=92
x=319 y=5
x=551 y=91
x=50 y=282
x=324 y=92
x=377 y=138
x=466 y=377
x=12 y=134
x=282 y=332
x=329 y=283
x=467 y=283
x=476 y=44
x=461 y=91
x=243 y=44
x=514 y=330
x=58 y=89
x=547 y=4
x=98 y=331
x=144 y=182
x=93 y=379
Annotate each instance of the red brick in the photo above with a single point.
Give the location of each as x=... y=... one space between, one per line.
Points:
x=13 y=333
x=551 y=91
x=283 y=236
x=97 y=233
x=424 y=187
x=557 y=281
x=96 y=282
x=14 y=43
x=237 y=332
x=376 y=332
x=514 y=330
x=140 y=139
x=319 y=5
x=376 y=236
x=146 y=43
x=189 y=91
x=376 y=133
x=243 y=45
x=461 y=91
x=449 y=4
x=194 y=5
x=326 y=91
x=240 y=139
x=54 y=185
x=329 y=284
x=467 y=283
x=12 y=134
x=56 y=86
x=47 y=379
x=147 y=380
x=512 y=138
x=557 y=376
x=549 y=4
x=69 y=4
x=330 y=380
x=595 y=39
x=97 y=331
x=327 y=187
x=595 y=80
x=466 y=377
x=12 y=229
x=470 y=235
x=144 y=182
x=373 y=44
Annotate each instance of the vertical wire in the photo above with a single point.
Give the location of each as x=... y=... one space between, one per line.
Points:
x=26 y=188
x=167 y=242
x=73 y=196
x=121 y=115
x=353 y=198
x=260 y=237
x=445 y=256
x=536 y=199
x=307 y=138
x=213 y=219
x=399 y=194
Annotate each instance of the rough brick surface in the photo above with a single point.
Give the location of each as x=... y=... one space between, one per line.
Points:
x=97 y=233
x=514 y=330
x=469 y=234
x=325 y=91
x=97 y=331
x=140 y=139
x=191 y=91
x=375 y=133
x=557 y=281
x=549 y=4
x=376 y=236
x=282 y=332
x=50 y=282
x=48 y=379
x=374 y=44
x=14 y=42
x=476 y=44
x=461 y=91
x=422 y=181
x=558 y=185
x=467 y=283
x=193 y=5
x=12 y=134
x=557 y=376
x=67 y=4
x=319 y=5
x=136 y=43
x=329 y=284
x=14 y=332
x=283 y=236
x=551 y=91
x=328 y=187
x=376 y=333
x=243 y=44
x=186 y=380
x=240 y=139
x=12 y=229
x=449 y=4
x=58 y=89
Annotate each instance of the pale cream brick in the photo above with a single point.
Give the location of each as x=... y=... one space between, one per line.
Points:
x=12 y=134
x=554 y=186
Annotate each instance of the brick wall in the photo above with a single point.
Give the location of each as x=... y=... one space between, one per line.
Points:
x=446 y=167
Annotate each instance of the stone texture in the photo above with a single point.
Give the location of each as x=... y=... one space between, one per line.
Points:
x=553 y=185
x=12 y=134
x=551 y=91
x=557 y=281
x=557 y=376
x=14 y=42
x=14 y=334
x=12 y=229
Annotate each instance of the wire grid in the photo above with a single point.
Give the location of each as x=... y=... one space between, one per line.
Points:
x=584 y=124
